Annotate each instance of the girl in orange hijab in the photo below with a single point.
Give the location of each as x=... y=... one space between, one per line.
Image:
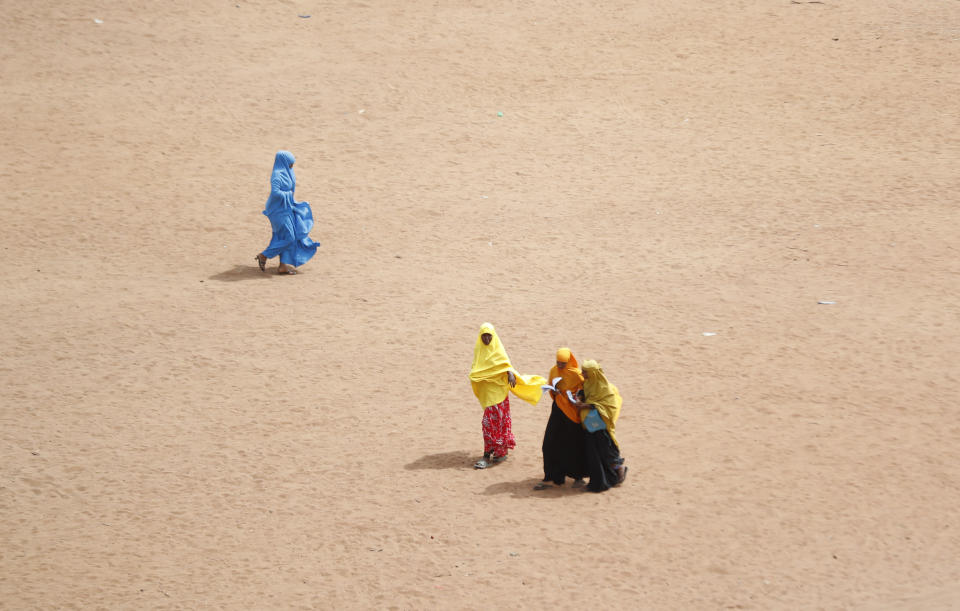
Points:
x=563 y=438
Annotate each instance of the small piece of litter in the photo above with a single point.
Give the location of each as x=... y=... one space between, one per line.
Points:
x=95 y=20
x=500 y=113
x=361 y=111
x=514 y=554
x=490 y=243
x=708 y=333
x=484 y=197
x=827 y=302
x=304 y=16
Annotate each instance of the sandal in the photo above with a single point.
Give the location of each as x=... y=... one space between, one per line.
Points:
x=498 y=459
x=543 y=486
x=261 y=261
x=621 y=475
x=481 y=464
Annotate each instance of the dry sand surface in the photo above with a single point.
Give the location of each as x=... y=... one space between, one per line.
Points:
x=179 y=430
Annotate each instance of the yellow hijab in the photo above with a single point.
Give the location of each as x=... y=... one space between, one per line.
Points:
x=571 y=379
x=603 y=395
x=488 y=374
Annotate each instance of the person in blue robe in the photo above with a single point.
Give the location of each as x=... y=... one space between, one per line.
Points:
x=290 y=220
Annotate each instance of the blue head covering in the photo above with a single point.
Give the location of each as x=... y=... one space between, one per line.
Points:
x=282 y=183
x=283 y=171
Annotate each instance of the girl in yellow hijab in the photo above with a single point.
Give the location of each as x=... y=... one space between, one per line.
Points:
x=599 y=412
x=493 y=378
x=563 y=439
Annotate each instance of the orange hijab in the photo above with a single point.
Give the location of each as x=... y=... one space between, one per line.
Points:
x=570 y=379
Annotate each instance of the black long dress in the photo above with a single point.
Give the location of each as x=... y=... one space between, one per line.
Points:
x=563 y=451
x=602 y=460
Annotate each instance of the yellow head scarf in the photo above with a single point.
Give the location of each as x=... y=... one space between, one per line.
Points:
x=488 y=374
x=488 y=359
x=571 y=379
x=603 y=395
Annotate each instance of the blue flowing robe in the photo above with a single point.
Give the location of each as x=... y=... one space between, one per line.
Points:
x=290 y=220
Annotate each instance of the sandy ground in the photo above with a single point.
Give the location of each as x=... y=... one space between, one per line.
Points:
x=180 y=431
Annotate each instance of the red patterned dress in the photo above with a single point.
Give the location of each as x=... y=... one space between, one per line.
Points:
x=498 y=429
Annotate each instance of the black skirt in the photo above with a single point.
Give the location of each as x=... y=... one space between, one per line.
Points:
x=563 y=455
x=603 y=458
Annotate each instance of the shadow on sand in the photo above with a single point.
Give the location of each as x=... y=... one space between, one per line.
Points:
x=242 y=272
x=445 y=460
x=523 y=489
